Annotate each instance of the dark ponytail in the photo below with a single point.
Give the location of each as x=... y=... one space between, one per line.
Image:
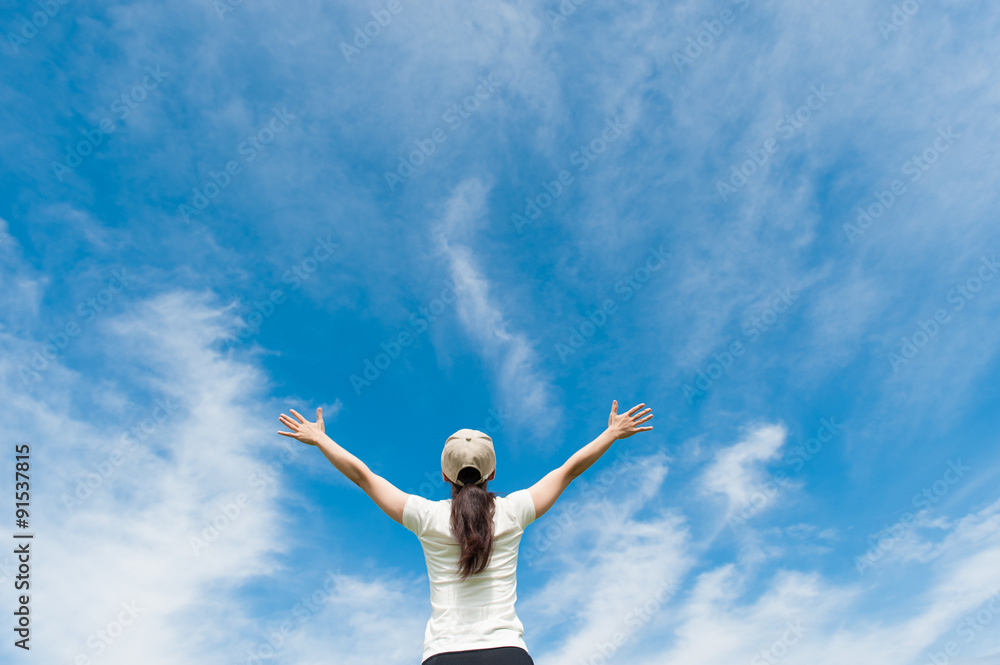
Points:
x=472 y=509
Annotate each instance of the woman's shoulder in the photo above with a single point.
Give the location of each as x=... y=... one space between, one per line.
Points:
x=515 y=496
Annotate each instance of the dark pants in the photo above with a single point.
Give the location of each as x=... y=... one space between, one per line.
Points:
x=494 y=656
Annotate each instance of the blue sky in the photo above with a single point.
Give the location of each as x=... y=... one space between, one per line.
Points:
x=774 y=223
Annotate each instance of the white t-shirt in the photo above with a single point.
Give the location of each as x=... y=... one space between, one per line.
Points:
x=477 y=613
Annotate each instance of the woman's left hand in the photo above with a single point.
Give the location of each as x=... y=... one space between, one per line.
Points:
x=302 y=429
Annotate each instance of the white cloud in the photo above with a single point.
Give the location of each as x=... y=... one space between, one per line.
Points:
x=524 y=387
x=127 y=538
x=738 y=471
x=604 y=571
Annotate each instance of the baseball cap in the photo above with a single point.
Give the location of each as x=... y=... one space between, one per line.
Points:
x=468 y=447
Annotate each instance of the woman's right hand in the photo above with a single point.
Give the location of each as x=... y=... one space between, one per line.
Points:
x=625 y=425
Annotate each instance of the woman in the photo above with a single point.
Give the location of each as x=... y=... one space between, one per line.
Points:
x=470 y=541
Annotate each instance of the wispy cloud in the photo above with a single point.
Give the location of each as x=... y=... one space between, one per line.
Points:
x=749 y=613
x=738 y=471
x=525 y=389
x=158 y=510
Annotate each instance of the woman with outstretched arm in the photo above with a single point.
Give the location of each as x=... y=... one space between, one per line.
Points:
x=471 y=540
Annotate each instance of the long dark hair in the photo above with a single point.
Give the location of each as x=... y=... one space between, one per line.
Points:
x=472 y=509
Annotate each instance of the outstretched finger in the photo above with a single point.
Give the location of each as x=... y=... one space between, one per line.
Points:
x=291 y=424
x=297 y=414
x=635 y=408
x=291 y=434
x=614 y=407
x=644 y=429
x=642 y=420
x=319 y=414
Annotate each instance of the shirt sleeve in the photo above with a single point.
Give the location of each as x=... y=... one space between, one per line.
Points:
x=523 y=506
x=415 y=513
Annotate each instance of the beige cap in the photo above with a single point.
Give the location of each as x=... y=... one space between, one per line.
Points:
x=468 y=447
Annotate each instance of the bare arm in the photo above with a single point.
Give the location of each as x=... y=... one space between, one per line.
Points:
x=385 y=495
x=545 y=492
